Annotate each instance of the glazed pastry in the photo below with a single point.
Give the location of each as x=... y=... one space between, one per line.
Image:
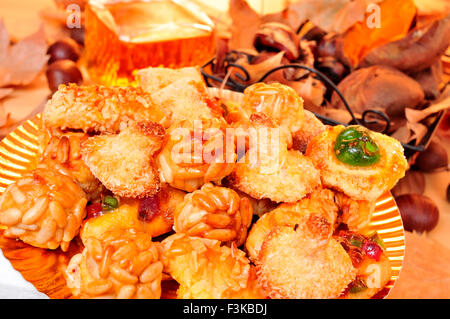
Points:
x=360 y=163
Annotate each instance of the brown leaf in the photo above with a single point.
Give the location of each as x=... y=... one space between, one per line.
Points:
x=402 y=134
x=310 y=89
x=21 y=62
x=5 y=92
x=330 y=15
x=443 y=103
x=5 y=118
x=415 y=52
x=245 y=22
x=411 y=131
x=432 y=8
x=256 y=71
x=418 y=131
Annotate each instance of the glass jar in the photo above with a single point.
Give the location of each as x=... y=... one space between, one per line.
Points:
x=123 y=36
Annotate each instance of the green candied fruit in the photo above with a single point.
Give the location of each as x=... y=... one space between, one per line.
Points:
x=109 y=203
x=358 y=286
x=355 y=147
x=375 y=237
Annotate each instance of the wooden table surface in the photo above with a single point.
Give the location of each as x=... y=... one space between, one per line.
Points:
x=426 y=268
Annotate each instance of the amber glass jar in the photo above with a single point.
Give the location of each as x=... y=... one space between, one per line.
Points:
x=126 y=35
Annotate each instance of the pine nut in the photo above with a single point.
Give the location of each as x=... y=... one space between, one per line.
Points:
x=58 y=213
x=126 y=292
x=151 y=272
x=122 y=275
x=17 y=194
x=35 y=212
x=10 y=216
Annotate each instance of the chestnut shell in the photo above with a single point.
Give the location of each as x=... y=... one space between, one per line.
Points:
x=434 y=157
x=63 y=72
x=419 y=213
x=64 y=49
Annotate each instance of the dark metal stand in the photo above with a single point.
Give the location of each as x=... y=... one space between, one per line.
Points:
x=365 y=120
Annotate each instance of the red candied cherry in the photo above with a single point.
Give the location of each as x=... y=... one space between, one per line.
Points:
x=94 y=210
x=372 y=250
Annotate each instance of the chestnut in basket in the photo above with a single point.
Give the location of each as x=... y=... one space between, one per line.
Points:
x=63 y=72
x=314 y=34
x=274 y=36
x=332 y=68
x=65 y=49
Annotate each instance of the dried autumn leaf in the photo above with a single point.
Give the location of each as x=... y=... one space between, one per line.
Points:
x=395 y=20
x=415 y=116
x=4 y=117
x=21 y=62
x=245 y=22
x=418 y=50
x=409 y=132
x=402 y=134
x=432 y=8
x=256 y=71
x=4 y=92
x=381 y=88
x=330 y=15
x=310 y=89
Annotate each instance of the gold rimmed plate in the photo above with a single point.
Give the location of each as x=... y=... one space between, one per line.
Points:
x=44 y=268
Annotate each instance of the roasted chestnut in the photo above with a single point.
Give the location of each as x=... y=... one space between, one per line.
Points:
x=63 y=72
x=65 y=49
x=306 y=58
x=419 y=213
x=78 y=34
x=434 y=157
x=448 y=193
x=327 y=46
x=412 y=183
x=274 y=36
x=332 y=68
x=314 y=34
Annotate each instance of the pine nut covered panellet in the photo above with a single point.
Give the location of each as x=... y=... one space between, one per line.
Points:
x=196 y=152
x=121 y=263
x=44 y=209
x=62 y=151
x=216 y=213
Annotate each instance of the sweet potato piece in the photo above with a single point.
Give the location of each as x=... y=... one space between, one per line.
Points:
x=379 y=87
x=415 y=52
